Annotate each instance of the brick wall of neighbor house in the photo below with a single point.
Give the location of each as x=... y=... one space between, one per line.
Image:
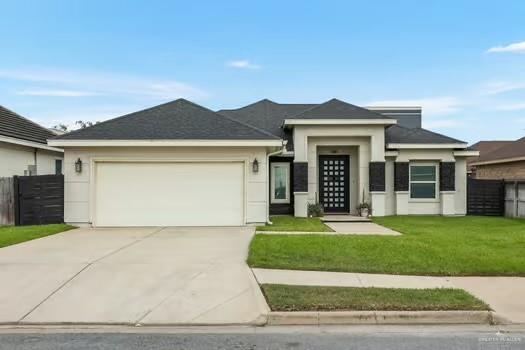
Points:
x=507 y=171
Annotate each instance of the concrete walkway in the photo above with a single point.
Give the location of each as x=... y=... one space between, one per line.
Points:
x=361 y=228
x=163 y=276
x=343 y=228
x=345 y=279
x=505 y=295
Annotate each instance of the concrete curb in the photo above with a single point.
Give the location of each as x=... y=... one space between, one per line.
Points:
x=383 y=317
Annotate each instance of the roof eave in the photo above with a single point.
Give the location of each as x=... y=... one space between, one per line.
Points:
x=164 y=143
x=27 y=143
x=426 y=145
x=497 y=161
x=363 y=121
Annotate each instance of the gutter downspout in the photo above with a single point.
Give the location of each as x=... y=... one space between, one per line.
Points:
x=282 y=150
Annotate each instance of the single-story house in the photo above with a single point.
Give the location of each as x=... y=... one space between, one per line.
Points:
x=24 y=149
x=498 y=160
x=180 y=164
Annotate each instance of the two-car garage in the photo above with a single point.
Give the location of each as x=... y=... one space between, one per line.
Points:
x=166 y=193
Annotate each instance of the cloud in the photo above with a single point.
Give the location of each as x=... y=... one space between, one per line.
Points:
x=500 y=87
x=431 y=106
x=243 y=64
x=63 y=82
x=515 y=47
x=512 y=107
x=56 y=93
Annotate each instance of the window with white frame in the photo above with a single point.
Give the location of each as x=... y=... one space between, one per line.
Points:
x=423 y=181
x=280 y=182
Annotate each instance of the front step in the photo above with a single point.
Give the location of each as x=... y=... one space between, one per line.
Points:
x=344 y=218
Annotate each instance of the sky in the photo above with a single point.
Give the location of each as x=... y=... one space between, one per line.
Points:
x=462 y=61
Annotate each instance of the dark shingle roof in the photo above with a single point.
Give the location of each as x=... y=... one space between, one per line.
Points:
x=179 y=119
x=399 y=134
x=336 y=109
x=266 y=114
x=486 y=147
x=16 y=126
x=512 y=150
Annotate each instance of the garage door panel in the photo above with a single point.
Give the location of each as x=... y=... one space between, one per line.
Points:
x=169 y=194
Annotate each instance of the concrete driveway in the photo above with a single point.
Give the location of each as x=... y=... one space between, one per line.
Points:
x=132 y=276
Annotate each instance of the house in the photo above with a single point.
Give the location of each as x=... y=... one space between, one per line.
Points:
x=24 y=149
x=180 y=164
x=499 y=160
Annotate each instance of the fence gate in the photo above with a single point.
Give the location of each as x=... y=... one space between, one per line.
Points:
x=7 y=201
x=39 y=199
x=485 y=197
x=515 y=199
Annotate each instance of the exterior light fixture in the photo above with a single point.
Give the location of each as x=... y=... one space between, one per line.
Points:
x=255 y=166
x=78 y=166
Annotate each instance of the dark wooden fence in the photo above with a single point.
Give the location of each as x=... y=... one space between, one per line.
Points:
x=485 y=197
x=39 y=199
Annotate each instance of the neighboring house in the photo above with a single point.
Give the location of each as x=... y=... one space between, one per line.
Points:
x=182 y=164
x=499 y=160
x=24 y=149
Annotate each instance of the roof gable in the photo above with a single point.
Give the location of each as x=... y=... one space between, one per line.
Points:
x=336 y=109
x=179 y=119
x=16 y=126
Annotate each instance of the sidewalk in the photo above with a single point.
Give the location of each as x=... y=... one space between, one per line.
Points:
x=505 y=295
x=345 y=279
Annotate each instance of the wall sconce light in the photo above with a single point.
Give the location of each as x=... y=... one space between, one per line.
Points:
x=255 y=166
x=78 y=166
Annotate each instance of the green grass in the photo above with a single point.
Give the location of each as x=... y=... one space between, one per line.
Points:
x=10 y=235
x=293 y=224
x=431 y=245
x=308 y=298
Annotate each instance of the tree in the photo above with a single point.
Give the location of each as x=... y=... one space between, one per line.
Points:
x=80 y=123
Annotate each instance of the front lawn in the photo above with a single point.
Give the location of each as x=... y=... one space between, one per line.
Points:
x=430 y=245
x=17 y=234
x=308 y=298
x=293 y=224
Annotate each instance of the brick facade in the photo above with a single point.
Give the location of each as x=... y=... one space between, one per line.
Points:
x=506 y=171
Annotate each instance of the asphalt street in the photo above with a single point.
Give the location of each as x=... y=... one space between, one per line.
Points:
x=420 y=338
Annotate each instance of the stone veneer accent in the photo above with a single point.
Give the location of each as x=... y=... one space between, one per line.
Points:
x=376 y=172
x=447 y=176
x=300 y=177
x=401 y=173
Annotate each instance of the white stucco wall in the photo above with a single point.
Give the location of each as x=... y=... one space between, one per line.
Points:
x=79 y=186
x=14 y=160
x=390 y=196
x=445 y=203
x=364 y=143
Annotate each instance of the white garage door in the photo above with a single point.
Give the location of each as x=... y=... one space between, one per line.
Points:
x=169 y=194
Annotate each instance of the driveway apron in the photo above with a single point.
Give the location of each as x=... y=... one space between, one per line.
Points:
x=132 y=276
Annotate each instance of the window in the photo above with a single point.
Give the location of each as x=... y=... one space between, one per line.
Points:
x=58 y=166
x=423 y=181
x=280 y=180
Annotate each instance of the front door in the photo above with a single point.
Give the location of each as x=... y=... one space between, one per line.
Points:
x=333 y=183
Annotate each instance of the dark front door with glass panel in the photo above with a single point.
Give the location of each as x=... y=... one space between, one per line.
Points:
x=333 y=183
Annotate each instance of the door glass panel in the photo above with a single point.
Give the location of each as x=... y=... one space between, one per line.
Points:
x=280 y=179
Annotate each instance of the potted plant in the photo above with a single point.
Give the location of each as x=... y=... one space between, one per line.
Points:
x=364 y=209
x=315 y=210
